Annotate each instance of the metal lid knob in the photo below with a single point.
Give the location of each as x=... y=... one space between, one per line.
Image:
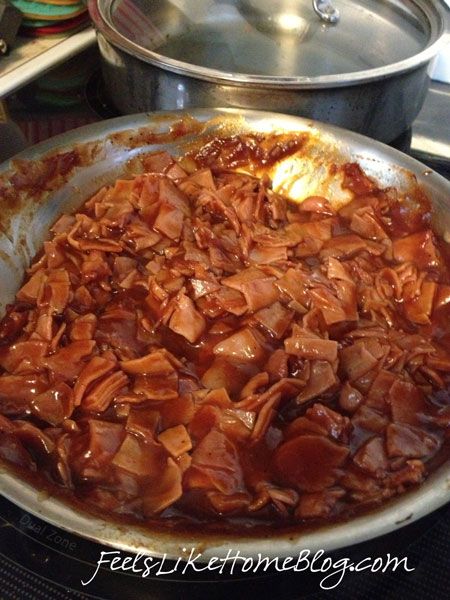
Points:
x=326 y=11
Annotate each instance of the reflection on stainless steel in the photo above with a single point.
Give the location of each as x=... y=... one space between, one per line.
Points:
x=441 y=68
x=326 y=11
x=431 y=129
x=22 y=237
x=272 y=55
x=247 y=40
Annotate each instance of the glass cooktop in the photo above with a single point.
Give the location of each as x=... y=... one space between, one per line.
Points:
x=41 y=562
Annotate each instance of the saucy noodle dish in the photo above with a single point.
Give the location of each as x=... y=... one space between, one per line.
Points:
x=192 y=346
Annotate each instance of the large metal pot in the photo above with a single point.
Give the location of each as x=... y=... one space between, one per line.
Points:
x=106 y=150
x=367 y=72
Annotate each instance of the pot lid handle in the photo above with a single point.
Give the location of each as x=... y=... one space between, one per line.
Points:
x=326 y=11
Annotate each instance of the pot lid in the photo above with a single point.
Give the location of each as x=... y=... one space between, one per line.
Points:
x=275 y=39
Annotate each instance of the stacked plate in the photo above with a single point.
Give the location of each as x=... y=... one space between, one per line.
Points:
x=51 y=17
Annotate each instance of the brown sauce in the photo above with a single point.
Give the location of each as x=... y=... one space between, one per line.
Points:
x=193 y=347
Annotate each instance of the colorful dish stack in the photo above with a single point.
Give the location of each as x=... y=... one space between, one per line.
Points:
x=51 y=17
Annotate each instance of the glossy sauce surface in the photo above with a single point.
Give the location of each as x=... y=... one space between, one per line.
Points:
x=193 y=346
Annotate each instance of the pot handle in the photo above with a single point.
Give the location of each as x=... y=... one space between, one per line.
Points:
x=326 y=11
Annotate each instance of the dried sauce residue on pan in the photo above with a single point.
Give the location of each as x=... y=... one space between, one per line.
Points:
x=35 y=178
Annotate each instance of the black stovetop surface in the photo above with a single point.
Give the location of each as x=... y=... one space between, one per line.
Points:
x=41 y=562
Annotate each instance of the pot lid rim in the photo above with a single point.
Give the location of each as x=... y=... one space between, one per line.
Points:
x=98 y=12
